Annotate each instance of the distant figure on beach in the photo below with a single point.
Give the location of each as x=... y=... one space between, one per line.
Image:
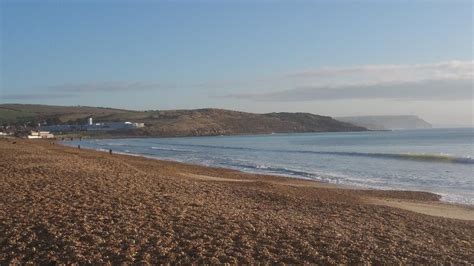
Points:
x=72 y=138
x=79 y=147
x=110 y=151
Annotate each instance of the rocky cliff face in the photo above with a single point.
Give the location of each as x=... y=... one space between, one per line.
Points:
x=387 y=122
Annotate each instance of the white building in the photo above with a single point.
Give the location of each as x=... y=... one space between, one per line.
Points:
x=40 y=135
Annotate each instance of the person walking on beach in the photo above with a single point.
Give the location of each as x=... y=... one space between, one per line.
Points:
x=110 y=151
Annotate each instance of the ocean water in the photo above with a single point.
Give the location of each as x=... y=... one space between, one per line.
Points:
x=433 y=160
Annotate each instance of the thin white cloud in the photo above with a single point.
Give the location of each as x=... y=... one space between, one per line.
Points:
x=454 y=89
x=45 y=96
x=72 y=90
x=403 y=72
x=451 y=80
x=114 y=86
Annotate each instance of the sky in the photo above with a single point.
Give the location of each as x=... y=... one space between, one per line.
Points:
x=336 y=58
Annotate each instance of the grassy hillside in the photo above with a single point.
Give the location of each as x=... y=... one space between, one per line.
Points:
x=200 y=122
x=14 y=113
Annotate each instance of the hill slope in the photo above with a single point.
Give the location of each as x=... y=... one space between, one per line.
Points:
x=387 y=122
x=199 y=122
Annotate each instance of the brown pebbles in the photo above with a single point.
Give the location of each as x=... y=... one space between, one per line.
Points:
x=60 y=204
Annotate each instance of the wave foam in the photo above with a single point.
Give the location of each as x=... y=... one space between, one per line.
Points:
x=170 y=149
x=405 y=156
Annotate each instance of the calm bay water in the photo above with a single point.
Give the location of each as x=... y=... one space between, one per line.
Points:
x=434 y=160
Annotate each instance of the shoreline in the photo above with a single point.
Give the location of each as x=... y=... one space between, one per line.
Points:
x=130 y=136
x=340 y=185
x=104 y=135
x=69 y=205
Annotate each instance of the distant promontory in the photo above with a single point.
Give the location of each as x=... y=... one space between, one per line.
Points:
x=387 y=122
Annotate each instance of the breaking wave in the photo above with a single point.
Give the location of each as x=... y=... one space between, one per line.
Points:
x=404 y=156
x=170 y=149
x=427 y=157
x=276 y=170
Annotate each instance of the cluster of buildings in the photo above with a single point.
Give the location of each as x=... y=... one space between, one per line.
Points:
x=91 y=126
x=45 y=131
x=111 y=125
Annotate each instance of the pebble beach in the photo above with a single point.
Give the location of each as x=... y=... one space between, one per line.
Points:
x=67 y=205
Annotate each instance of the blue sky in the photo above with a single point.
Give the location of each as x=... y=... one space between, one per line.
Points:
x=257 y=56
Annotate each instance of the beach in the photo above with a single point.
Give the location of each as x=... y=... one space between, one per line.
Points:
x=69 y=205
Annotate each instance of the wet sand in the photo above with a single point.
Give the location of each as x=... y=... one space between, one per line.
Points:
x=65 y=205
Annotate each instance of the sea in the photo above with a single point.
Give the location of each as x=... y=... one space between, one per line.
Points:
x=432 y=160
